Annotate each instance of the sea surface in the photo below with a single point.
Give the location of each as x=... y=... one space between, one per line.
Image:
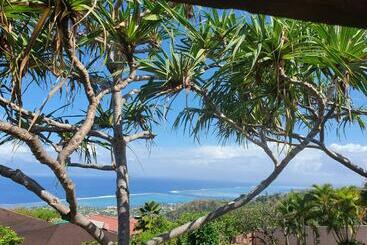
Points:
x=99 y=191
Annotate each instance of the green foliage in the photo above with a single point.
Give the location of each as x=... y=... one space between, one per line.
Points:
x=341 y=210
x=9 y=237
x=206 y=235
x=46 y=214
x=194 y=206
x=148 y=216
x=158 y=225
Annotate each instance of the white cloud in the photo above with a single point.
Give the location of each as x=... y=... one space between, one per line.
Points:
x=351 y=148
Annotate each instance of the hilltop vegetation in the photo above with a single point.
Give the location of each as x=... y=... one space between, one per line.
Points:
x=339 y=209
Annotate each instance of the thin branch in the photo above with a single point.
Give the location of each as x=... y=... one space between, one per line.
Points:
x=92 y=166
x=94 y=133
x=332 y=154
x=6 y=103
x=52 y=92
x=53 y=125
x=120 y=84
x=143 y=78
x=319 y=96
x=82 y=70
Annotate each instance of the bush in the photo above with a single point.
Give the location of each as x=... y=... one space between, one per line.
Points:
x=9 y=237
x=206 y=235
x=46 y=214
x=159 y=224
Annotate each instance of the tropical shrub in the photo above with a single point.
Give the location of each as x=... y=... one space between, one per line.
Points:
x=342 y=210
x=206 y=235
x=9 y=237
x=345 y=214
x=148 y=215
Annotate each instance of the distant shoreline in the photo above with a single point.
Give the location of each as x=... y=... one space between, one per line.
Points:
x=171 y=197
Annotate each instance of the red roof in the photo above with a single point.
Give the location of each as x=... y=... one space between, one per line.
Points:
x=111 y=223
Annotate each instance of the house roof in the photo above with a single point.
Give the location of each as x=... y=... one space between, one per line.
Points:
x=110 y=223
x=36 y=231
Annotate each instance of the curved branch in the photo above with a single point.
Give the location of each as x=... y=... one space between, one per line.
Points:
x=344 y=161
x=332 y=154
x=79 y=136
x=19 y=177
x=6 y=103
x=42 y=156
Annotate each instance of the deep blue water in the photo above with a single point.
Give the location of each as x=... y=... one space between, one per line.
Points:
x=99 y=191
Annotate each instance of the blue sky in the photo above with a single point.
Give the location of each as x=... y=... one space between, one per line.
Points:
x=176 y=155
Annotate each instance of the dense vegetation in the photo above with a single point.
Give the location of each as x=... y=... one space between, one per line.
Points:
x=341 y=210
x=9 y=237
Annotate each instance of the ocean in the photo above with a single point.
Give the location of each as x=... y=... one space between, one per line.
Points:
x=99 y=191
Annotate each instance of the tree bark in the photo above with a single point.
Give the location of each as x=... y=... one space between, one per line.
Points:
x=122 y=185
x=335 y=12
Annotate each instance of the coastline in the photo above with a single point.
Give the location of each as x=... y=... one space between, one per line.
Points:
x=172 y=197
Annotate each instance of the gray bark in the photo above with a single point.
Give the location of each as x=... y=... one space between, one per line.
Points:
x=122 y=185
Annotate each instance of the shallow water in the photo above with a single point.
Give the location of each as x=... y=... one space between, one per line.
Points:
x=99 y=191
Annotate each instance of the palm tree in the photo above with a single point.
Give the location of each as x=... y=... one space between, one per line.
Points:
x=147 y=215
x=296 y=215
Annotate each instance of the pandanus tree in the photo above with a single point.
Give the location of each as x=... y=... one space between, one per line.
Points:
x=264 y=81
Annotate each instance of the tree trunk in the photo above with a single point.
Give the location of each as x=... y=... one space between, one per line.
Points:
x=122 y=194
x=122 y=186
